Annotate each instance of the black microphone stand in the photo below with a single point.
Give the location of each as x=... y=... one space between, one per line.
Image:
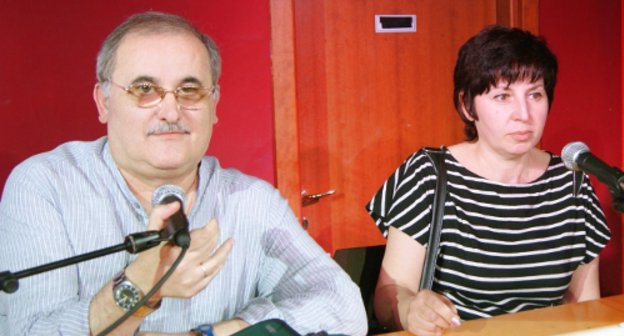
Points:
x=133 y=243
x=617 y=203
x=617 y=193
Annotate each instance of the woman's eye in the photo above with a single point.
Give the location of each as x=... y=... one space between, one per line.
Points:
x=536 y=95
x=501 y=97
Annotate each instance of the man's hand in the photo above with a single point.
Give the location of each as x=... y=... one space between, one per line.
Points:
x=198 y=267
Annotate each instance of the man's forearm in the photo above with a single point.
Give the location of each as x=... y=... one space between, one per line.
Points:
x=103 y=311
x=229 y=327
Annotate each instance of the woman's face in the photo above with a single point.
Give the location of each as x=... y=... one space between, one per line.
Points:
x=511 y=117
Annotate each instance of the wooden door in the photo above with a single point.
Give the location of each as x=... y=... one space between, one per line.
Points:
x=351 y=104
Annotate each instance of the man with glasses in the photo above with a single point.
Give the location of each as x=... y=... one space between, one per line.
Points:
x=248 y=260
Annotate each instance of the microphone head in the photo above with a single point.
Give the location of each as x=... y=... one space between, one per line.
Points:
x=570 y=153
x=168 y=190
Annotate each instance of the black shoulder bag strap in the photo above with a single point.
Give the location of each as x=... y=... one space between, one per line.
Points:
x=436 y=155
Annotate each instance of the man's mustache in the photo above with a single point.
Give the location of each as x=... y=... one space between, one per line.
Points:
x=170 y=127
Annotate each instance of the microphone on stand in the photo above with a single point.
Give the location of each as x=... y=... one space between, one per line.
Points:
x=176 y=229
x=576 y=156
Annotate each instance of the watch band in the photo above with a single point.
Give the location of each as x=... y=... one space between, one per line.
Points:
x=203 y=330
x=147 y=308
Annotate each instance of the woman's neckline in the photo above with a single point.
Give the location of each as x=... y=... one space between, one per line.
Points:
x=463 y=167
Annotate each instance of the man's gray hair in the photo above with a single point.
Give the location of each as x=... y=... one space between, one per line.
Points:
x=153 y=22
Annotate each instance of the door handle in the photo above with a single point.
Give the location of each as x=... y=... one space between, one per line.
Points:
x=313 y=198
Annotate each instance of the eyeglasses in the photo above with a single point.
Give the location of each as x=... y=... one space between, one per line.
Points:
x=148 y=94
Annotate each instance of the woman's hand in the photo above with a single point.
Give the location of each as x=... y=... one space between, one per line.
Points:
x=430 y=313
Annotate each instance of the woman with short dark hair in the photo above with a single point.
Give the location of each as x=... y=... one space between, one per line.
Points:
x=520 y=231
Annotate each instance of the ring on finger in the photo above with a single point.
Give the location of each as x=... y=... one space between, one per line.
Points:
x=204 y=270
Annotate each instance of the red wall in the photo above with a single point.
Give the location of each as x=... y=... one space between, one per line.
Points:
x=47 y=66
x=585 y=35
x=47 y=73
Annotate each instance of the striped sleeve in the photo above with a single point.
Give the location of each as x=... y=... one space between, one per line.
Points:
x=597 y=231
x=404 y=200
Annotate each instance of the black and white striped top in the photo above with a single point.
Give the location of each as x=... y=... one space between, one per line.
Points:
x=504 y=248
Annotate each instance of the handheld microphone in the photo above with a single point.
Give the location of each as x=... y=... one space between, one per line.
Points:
x=576 y=156
x=176 y=229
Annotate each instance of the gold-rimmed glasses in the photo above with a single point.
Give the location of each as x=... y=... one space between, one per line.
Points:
x=148 y=94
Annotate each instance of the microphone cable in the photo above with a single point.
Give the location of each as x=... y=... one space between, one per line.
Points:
x=147 y=296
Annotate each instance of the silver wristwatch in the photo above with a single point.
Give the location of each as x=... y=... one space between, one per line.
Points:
x=127 y=295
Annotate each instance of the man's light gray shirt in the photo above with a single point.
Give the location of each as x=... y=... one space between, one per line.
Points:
x=73 y=200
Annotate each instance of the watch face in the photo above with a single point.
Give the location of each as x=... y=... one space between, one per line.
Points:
x=126 y=295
